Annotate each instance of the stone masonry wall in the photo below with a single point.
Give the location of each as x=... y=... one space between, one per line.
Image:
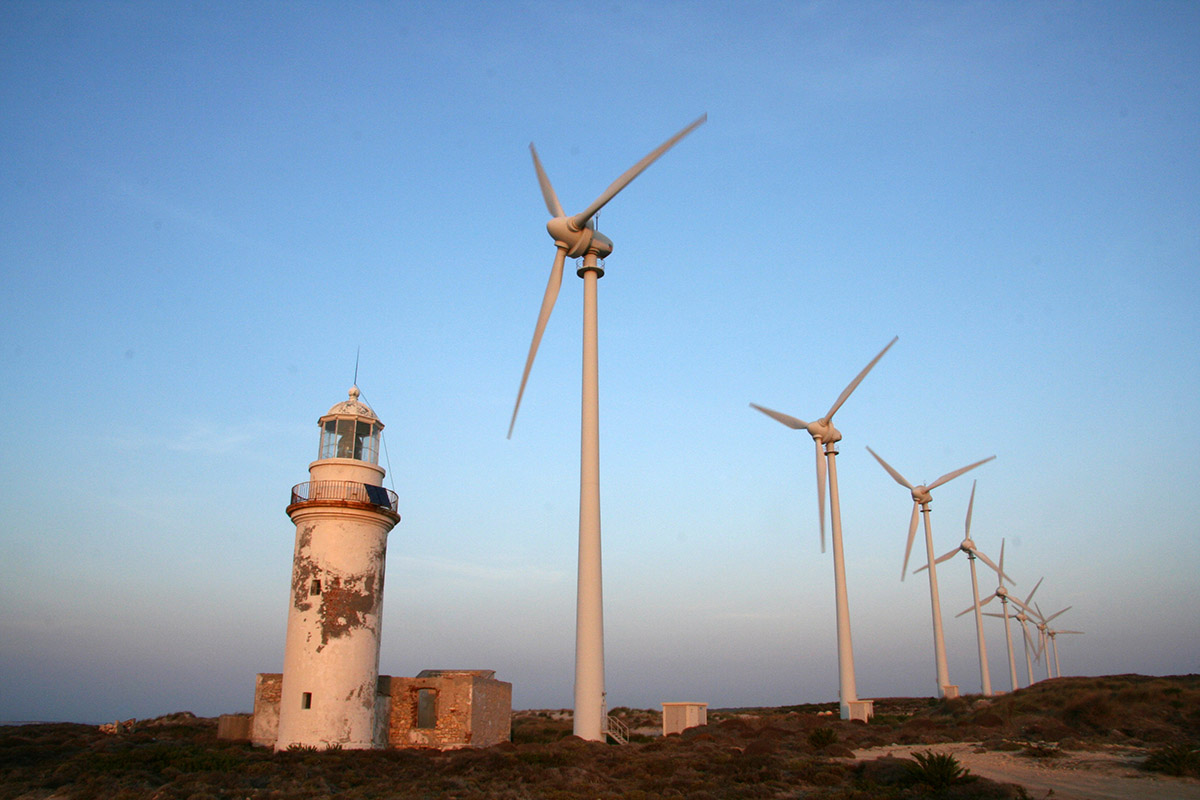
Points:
x=265 y=729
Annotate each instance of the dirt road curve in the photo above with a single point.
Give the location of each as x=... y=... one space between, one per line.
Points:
x=1109 y=774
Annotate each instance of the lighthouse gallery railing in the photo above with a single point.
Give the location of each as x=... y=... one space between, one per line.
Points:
x=345 y=490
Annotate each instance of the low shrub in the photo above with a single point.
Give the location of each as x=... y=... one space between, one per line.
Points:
x=937 y=770
x=1181 y=760
x=821 y=738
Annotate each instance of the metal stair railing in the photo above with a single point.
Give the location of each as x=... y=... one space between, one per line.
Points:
x=618 y=730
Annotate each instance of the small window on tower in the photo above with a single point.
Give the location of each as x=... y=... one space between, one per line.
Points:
x=315 y=586
x=306 y=700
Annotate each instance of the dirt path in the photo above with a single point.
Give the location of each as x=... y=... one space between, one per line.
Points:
x=1108 y=774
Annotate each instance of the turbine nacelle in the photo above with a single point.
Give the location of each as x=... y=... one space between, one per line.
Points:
x=823 y=432
x=578 y=241
x=921 y=494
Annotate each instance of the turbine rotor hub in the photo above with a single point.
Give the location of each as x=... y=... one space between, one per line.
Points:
x=579 y=241
x=823 y=431
x=920 y=494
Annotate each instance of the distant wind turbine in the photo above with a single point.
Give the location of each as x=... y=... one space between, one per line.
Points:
x=1002 y=593
x=1053 y=634
x=968 y=547
x=1022 y=616
x=1043 y=626
x=576 y=236
x=826 y=436
x=921 y=499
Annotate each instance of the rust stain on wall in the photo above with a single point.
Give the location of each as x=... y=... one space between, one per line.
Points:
x=303 y=569
x=345 y=605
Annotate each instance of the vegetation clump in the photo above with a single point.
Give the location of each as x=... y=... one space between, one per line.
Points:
x=1180 y=760
x=937 y=771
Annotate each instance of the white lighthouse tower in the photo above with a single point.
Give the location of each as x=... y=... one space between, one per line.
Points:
x=331 y=658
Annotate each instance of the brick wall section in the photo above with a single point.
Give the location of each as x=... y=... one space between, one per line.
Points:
x=265 y=730
x=472 y=711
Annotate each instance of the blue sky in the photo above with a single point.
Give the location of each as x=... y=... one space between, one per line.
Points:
x=209 y=208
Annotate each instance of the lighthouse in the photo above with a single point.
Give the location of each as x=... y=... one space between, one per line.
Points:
x=329 y=695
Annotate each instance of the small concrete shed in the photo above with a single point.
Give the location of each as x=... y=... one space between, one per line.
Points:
x=677 y=717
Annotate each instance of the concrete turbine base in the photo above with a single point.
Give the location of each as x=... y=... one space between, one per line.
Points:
x=949 y=691
x=861 y=710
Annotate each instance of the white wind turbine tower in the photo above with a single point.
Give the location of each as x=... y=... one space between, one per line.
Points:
x=826 y=437
x=921 y=499
x=1022 y=616
x=968 y=547
x=576 y=236
x=1053 y=634
x=1002 y=593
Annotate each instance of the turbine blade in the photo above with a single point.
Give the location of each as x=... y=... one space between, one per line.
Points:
x=970 y=508
x=983 y=557
x=1029 y=599
x=949 y=476
x=1056 y=614
x=1002 y=575
x=990 y=598
x=1056 y=633
x=821 y=490
x=854 y=383
x=895 y=475
x=620 y=183
x=552 y=205
x=948 y=556
x=556 y=273
x=912 y=531
x=786 y=419
x=967 y=610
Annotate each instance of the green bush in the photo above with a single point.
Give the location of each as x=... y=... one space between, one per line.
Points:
x=937 y=770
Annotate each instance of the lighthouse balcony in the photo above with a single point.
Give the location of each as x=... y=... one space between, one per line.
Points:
x=351 y=493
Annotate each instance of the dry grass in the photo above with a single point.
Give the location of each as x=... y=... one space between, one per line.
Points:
x=785 y=752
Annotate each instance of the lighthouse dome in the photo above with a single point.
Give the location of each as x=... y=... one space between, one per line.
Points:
x=352 y=407
x=350 y=430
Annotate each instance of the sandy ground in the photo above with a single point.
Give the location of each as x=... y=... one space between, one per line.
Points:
x=1107 y=774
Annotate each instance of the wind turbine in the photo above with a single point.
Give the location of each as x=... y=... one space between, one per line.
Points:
x=968 y=547
x=1043 y=626
x=826 y=437
x=576 y=236
x=921 y=499
x=1002 y=593
x=1022 y=616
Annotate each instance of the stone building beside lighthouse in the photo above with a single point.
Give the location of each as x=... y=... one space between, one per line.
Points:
x=330 y=693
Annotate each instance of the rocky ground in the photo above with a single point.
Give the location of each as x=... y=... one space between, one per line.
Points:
x=1064 y=738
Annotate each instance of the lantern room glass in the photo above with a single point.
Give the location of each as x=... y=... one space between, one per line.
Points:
x=350 y=438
